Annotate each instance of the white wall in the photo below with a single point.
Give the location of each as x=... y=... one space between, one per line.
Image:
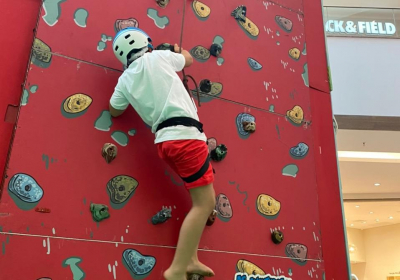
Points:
x=365 y=75
x=356 y=237
x=382 y=252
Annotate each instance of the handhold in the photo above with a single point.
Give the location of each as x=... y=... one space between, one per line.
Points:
x=42 y=210
x=299 y=151
x=298 y=252
x=162 y=3
x=215 y=50
x=240 y=13
x=162 y=216
x=277 y=237
x=25 y=188
x=223 y=207
x=165 y=47
x=205 y=86
x=211 y=218
x=138 y=264
x=248 y=267
x=195 y=277
x=200 y=53
x=121 y=188
x=109 y=152
x=267 y=205
x=249 y=126
x=202 y=10
x=125 y=23
x=99 y=212
x=219 y=153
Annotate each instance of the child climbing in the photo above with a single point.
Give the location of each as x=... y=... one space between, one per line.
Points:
x=152 y=86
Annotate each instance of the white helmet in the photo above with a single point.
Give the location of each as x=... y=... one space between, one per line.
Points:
x=128 y=41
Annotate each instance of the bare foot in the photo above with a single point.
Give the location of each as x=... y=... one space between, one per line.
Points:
x=199 y=268
x=170 y=275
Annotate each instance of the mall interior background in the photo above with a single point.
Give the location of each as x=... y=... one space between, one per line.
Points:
x=366 y=100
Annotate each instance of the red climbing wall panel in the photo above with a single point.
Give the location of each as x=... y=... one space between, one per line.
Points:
x=269 y=177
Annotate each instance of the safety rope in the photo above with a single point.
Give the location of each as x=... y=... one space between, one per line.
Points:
x=185 y=77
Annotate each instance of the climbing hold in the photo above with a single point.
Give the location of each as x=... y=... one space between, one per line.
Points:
x=249 y=126
x=138 y=264
x=249 y=26
x=240 y=13
x=165 y=47
x=299 y=151
x=77 y=103
x=200 y=53
x=211 y=218
x=284 y=23
x=162 y=3
x=205 y=86
x=267 y=205
x=162 y=216
x=277 y=237
x=223 y=207
x=42 y=210
x=249 y=268
x=25 y=188
x=41 y=54
x=295 y=115
x=121 y=188
x=298 y=252
x=109 y=152
x=195 y=277
x=215 y=50
x=294 y=53
x=219 y=153
x=201 y=10
x=125 y=23
x=99 y=212
x=254 y=64
x=211 y=143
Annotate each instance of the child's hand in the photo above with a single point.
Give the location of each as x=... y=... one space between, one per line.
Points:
x=176 y=48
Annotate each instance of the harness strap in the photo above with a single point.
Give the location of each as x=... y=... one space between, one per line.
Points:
x=181 y=121
x=199 y=173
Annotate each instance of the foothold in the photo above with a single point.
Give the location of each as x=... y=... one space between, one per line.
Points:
x=299 y=151
x=290 y=170
x=294 y=53
x=121 y=188
x=195 y=277
x=212 y=144
x=76 y=105
x=120 y=137
x=249 y=126
x=73 y=263
x=25 y=188
x=268 y=206
x=211 y=218
x=223 y=207
x=41 y=54
x=254 y=64
x=138 y=264
x=99 y=212
x=295 y=115
x=250 y=268
x=240 y=13
x=215 y=50
x=277 y=237
x=80 y=17
x=160 y=22
x=298 y=252
x=208 y=90
x=52 y=11
x=109 y=152
x=250 y=27
x=165 y=47
x=219 y=153
x=284 y=23
x=162 y=216
x=42 y=210
x=200 y=53
x=125 y=23
x=201 y=10
x=162 y=3
x=243 y=121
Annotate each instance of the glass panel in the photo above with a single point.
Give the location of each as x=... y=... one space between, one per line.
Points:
x=397 y=21
x=360 y=22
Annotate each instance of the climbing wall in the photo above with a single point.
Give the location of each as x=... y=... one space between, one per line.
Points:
x=267 y=181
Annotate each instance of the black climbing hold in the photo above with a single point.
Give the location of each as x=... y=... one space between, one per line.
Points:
x=165 y=47
x=277 y=237
x=195 y=277
x=215 y=50
x=205 y=86
x=211 y=218
x=240 y=13
x=162 y=216
x=99 y=212
x=219 y=153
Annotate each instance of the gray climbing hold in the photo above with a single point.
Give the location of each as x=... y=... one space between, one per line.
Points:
x=80 y=17
x=101 y=46
x=272 y=108
x=25 y=98
x=103 y=122
x=290 y=170
x=33 y=88
x=52 y=9
x=120 y=137
x=160 y=22
x=162 y=216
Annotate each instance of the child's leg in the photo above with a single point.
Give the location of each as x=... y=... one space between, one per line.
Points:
x=203 y=199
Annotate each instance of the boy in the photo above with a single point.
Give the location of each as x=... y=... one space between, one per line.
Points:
x=150 y=84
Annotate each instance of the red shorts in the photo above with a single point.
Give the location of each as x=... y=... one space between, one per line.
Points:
x=186 y=157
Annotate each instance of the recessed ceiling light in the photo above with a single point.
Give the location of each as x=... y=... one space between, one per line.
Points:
x=364 y=222
x=390 y=218
x=357 y=206
x=352 y=225
x=377 y=184
x=371 y=212
x=377 y=220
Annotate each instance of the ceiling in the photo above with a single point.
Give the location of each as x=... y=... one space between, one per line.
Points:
x=359 y=175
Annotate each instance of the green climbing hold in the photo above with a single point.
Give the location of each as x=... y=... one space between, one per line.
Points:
x=99 y=211
x=219 y=153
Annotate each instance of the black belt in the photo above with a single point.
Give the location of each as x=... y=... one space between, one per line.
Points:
x=181 y=121
x=187 y=122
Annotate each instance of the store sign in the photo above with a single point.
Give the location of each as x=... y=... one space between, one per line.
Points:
x=360 y=27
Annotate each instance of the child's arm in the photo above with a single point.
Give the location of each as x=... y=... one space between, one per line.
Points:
x=186 y=54
x=114 y=112
x=118 y=102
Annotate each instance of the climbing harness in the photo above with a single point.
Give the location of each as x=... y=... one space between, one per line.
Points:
x=185 y=77
x=186 y=121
